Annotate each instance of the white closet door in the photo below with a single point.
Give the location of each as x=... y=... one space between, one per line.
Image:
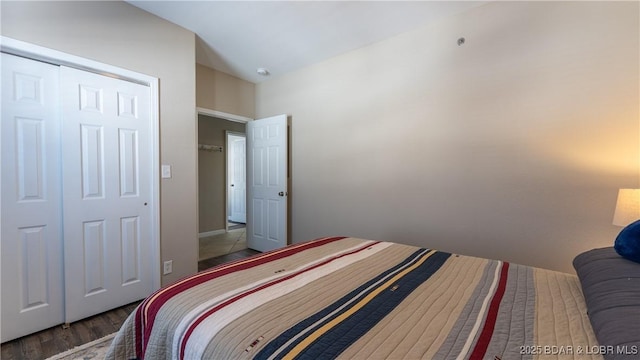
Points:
x=107 y=190
x=32 y=269
x=237 y=178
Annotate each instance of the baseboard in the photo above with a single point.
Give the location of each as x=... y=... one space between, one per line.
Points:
x=211 y=233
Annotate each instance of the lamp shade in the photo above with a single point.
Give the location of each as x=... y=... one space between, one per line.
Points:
x=627 y=207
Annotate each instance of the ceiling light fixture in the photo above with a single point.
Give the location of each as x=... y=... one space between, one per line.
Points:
x=263 y=72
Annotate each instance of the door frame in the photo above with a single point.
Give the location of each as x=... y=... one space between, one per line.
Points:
x=55 y=57
x=223 y=116
x=229 y=133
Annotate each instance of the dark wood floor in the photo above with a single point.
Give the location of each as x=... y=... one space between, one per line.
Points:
x=46 y=343
x=209 y=263
x=55 y=340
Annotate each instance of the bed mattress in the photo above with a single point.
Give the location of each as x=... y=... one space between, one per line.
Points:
x=362 y=299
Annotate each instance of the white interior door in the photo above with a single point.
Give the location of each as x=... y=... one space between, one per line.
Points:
x=107 y=192
x=267 y=183
x=32 y=263
x=237 y=178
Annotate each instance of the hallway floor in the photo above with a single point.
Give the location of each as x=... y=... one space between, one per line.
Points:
x=223 y=244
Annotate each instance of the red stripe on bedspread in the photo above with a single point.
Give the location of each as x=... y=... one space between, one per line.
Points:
x=490 y=322
x=211 y=311
x=147 y=311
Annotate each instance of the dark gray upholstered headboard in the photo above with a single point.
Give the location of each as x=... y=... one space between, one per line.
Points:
x=611 y=287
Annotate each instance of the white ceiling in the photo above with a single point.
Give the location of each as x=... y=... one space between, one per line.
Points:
x=237 y=37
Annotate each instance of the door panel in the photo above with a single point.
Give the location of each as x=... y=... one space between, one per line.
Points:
x=94 y=257
x=34 y=271
x=107 y=189
x=237 y=178
x=92 y=157
x=32 y=263
x=128 y=140
x=130 y=253
x=267 y=183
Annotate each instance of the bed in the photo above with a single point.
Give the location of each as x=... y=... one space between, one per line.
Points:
x=351 y=298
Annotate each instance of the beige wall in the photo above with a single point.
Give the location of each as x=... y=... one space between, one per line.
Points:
x=512 y=146
x=119 y=34
x=216 y=90
x=212 y=171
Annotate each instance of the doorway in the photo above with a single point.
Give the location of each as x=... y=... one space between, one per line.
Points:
x=221 y=159
x=267 y=177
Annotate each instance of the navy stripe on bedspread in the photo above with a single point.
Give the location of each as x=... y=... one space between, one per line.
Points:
x=332 y=330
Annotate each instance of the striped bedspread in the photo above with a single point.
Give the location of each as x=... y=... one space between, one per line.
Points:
x=361 y=299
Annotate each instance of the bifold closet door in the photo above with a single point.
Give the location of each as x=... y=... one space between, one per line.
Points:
x=76 y=194
x=32 y=262
x=107 y=192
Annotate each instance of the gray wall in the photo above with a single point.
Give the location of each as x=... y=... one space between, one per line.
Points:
x=512 y=146
x=216 y=90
